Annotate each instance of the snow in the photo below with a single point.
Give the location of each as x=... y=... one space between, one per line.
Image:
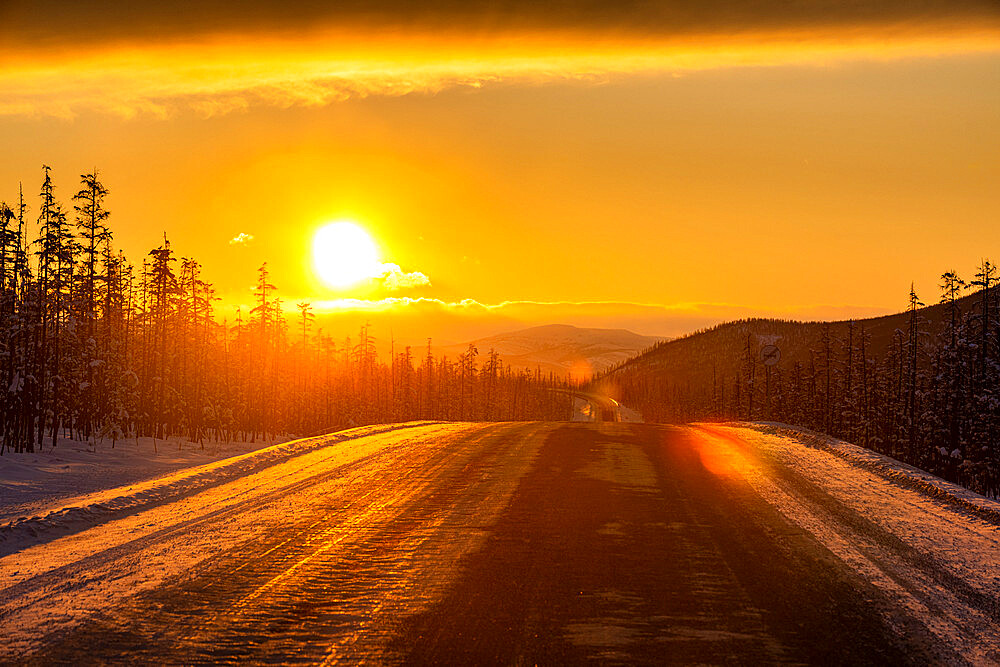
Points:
x=41 y=492
x=138 y=519
x=932 y=546
x=57 y=569
x=890 y=469
x=36 y=482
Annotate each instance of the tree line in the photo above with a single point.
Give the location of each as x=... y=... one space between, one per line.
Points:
x=93 y=346
x=927 y=392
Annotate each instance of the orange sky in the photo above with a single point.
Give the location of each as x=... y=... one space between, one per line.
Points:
x=660 y=179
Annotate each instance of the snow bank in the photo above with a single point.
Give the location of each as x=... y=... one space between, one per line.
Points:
x=888 y=468
x=52 y=477
x=107 y=504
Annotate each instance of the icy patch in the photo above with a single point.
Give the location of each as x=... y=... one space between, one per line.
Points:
x=624 y=465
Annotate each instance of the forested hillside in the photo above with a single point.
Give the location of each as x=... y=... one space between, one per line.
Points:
x=921 y=385
x=95 y=345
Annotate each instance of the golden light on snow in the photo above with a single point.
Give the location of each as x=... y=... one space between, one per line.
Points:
x=344 y=254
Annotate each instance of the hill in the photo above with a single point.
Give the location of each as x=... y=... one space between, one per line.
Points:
x=561 y=349
x=698 y=368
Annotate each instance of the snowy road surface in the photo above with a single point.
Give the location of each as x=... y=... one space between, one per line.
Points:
x=519 y=543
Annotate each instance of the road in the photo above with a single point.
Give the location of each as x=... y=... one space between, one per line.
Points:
x=523 y=543
x=599 y=408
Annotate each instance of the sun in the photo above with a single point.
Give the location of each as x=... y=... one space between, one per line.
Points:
x=344 y=254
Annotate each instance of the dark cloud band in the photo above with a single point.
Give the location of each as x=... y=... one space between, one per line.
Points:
x=40 y=22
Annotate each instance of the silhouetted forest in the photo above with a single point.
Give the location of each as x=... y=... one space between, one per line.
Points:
x=922 y=386
x=93 y=346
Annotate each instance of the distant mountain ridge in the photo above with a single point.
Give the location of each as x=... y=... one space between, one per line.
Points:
x=561 y=349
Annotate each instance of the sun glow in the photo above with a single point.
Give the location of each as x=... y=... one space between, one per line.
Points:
x=344 y=254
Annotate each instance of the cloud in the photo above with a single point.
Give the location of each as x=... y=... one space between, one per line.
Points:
x=241 y=239
x=413 y=319
x=228 y=63
x=394 y=278
x=677 y=318
x=61 y=22
x=809 y=313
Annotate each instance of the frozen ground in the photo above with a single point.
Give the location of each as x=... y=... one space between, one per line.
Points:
x=96 y=550
x=60 y=491
x=514 y=543
x=931 y=545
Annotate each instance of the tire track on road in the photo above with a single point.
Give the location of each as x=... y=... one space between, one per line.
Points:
x=219 y=611
x=29 y=597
